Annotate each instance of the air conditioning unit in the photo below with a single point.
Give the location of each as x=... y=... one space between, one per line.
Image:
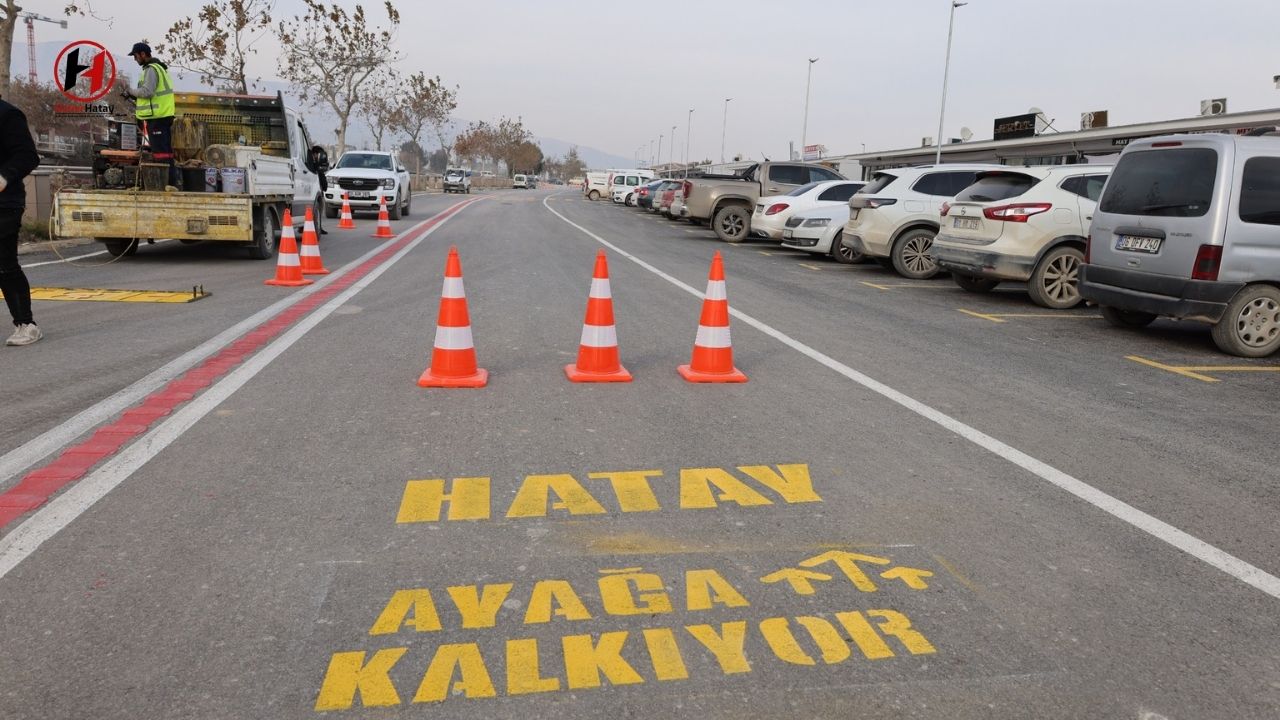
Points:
x=1216 y=106
x=926 y=141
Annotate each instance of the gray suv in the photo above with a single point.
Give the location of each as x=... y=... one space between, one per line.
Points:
x=1188 y=227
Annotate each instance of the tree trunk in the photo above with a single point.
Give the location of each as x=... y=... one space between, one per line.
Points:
x=7 y=26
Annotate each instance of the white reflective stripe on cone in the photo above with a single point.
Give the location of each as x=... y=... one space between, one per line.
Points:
x=601 y=336
x=311 y=250
x=453 y=338
x=712 y=337
x=600 y=288
x=308 y=226
x=289 y=260
x=453 y=288
x=716 y=291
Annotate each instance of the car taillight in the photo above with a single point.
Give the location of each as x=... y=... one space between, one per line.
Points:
x=873 y=203
x=776 y=208
x=946 y=208
x=1208 y=261
x=1017 y=212
x=686 y=188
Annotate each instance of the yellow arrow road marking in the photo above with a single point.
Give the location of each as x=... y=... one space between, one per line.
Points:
x=799 y=579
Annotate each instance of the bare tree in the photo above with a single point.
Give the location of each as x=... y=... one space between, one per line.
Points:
x=7 y=25
x=329 y=54
x=218 y=41
x=380 y=109
x=425 y=102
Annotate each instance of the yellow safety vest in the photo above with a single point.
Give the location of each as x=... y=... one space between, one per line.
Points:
x=160 y=104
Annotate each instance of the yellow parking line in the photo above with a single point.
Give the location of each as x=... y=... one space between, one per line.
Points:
x=999 y=317
x=891 y=286
x=992 y=318
x=762 y=252
x=1173 y=369
x=811 y=267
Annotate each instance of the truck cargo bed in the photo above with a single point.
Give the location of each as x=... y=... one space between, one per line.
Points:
x=115 y=214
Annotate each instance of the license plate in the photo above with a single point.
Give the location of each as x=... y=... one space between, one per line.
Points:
x=359 y=194
x=964 y=223
x=788 y=234
x=1135 y=243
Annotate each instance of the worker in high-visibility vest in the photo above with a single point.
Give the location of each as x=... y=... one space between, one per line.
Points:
x=154 y=106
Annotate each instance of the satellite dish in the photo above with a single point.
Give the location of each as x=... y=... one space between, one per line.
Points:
x=966 y=134
x=1042 y=122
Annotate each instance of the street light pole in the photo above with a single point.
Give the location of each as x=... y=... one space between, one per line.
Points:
x=660 y=136
x=673 y=144
x=724 y=127
x=688 y=130
x=946 y=71
x=804 y=132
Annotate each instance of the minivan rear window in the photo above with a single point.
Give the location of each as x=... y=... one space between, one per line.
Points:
x=1166 y=183
x=1000 y=186
x=1260 y=191
x=879 y=182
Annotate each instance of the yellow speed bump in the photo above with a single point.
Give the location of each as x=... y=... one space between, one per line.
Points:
x=1196 y=372
x=133 y=296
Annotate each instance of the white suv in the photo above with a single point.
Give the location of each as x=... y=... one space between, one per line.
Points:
x=457 y=180
x=894 y=218
x=1027 y=224
x=367 y=176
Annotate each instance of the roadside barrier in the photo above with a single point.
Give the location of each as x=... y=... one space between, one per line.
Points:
x=311 y=262
x=384 y=222
x=712 y=350
x=346 y=222
x=598 y=349
x=288 y=265
x=453 y=357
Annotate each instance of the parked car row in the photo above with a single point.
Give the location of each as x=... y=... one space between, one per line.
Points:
x=1184 y=227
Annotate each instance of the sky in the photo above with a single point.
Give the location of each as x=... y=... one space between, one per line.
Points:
x=616 y=75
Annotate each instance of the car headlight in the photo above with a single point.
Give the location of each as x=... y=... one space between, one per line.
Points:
x=389 y=183
x=817 y=222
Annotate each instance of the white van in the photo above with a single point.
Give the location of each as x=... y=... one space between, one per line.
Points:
x=595 y=185
x=623 y=184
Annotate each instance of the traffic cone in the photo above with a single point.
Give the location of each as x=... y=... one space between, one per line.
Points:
x=288 y=265
x=453 y=359
x=712 y=351
x=311 y=263
x=346 y=222
x=384 y=223
x=598 y=350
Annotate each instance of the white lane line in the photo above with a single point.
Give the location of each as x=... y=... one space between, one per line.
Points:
x=68 y=259
x=14 y=462
x=1157 y=528
x=60 y=512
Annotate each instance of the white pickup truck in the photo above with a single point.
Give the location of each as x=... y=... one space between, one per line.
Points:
x=262 y=142
x=368 y=176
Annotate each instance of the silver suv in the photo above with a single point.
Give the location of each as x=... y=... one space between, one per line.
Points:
x=895 y=217
x=1189 y=227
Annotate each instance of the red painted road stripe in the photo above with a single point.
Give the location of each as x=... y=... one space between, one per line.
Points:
x=74 y=462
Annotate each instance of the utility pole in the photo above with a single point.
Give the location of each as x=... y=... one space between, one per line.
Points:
x=687 y=131
x=724 y=127
x=946 y=71
x=804 y=132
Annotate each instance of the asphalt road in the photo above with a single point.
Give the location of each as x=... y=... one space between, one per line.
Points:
x=923 y=504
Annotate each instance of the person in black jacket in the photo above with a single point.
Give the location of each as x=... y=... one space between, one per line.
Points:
x=18 y=158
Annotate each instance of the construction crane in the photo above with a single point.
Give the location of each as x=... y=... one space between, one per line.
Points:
x=30 y=19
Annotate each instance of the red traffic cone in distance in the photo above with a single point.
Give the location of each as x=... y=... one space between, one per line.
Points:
x=598 y=349
x=310 y=256
x=288 y=264
x=346 y=222
x=453 y=356
x=712 y=360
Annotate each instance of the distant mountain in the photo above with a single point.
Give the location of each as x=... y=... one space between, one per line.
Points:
x=593 y=158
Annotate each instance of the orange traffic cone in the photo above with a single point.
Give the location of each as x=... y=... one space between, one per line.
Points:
x=712 y=351
x=453 y=359
x=288 y=266
x=384 y=223
x=346 y=222
x=598 y=350
x=311 y=263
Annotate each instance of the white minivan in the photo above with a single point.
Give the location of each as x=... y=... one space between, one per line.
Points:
x=623 y=184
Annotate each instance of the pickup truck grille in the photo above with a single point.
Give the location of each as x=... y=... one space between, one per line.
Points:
x=358 y=183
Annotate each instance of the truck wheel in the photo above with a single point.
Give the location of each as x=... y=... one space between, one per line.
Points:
x=394 y=210
x=910 y=255
x=1055 y=283
x=1251 y=325
x=732 y=223
x=1127 y=319
x=266 y=230
x=330 y=212
x=842 y=253
x=118 y=248
x=978 y=285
